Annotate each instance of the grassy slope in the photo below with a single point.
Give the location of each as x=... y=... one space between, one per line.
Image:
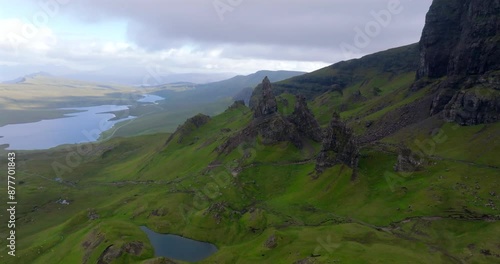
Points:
x=365 y=75
x=443 y=213
x=415 y=219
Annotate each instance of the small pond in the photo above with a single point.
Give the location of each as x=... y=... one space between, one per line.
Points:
x=179 y=248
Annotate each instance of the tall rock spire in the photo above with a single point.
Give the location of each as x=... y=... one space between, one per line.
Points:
x=339 y=147
x=267 y=102
x=305 y=121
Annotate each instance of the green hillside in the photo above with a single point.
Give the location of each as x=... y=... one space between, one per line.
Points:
x=364 y=161
x=367 y=74
x=442 y=213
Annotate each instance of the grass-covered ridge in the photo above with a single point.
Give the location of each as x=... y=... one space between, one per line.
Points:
x=369 y=73
x=442 y=213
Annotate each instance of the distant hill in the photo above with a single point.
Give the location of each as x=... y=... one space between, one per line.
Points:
x=232 y=87
x=240 y=82
x=28 y=76
x=341 y=75
x=148 y=77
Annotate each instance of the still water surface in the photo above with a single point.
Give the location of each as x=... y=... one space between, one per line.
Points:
x=179 y=248
x=80 y=127
x=86 y=125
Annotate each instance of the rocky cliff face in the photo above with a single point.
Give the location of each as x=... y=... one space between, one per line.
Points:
x=460 y=37
x=459 y=45
x=470 y=107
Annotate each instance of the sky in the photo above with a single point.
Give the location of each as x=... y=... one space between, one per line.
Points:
x=131 y=39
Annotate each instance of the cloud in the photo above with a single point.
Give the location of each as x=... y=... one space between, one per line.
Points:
x=17 y=35
x=319 y=24
x=218 y=35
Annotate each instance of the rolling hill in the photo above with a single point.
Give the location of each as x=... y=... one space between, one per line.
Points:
x=385 y=159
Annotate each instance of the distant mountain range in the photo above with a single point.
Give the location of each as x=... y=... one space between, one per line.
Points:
x=239 y=87
x=23 y=78
x=150 y=78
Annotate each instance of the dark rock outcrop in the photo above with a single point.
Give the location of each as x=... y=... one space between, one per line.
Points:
x=273 y=129
x=188 y=127
x=197 y=120
x=339 y=146
x=473 y=107
x=459 y=45
x=92 y=241
x=305 y=261
x=216 y=210
x=267 y=102
x=268 y=123
x=112 y=252
x=393 y=121
x=304 y=120
x=460 y=38
x=161 y=260
x=277 y=128
x=92 y=214
x=271 y=242
x=407 y=161
x=441 y=99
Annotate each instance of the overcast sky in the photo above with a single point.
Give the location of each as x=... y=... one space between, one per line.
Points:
x=134 y=37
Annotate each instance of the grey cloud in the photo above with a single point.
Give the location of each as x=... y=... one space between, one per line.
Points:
x=293 y=25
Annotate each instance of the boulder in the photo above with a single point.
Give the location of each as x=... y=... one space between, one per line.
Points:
x=407 y=161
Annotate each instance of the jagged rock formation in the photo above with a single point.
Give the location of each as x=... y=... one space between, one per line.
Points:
x=460 y=42
x=112 y=252
x=271 y=125
x=189 y=126
x=407 y=161
x=470 y=107
x=304 y=120
x=272 y=129
x=277 y=128
x=267 y=104
x=339 y=146
x=339 y=143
